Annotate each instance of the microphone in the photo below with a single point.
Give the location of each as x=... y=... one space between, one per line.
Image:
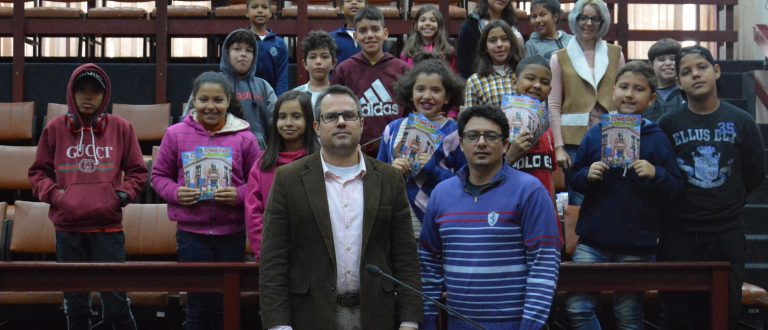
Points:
x=373 y=270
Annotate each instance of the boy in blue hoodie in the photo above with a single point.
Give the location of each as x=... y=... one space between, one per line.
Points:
x=620 y=218
x=272 y=63
x=345 y=35
x=88 y=165
x=256 y=96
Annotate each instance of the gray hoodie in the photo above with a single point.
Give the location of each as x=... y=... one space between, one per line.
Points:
x=256 y=96
x=536 y=45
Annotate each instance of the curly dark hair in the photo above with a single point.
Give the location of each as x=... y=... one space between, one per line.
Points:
x=454 y=87
x=318 y=39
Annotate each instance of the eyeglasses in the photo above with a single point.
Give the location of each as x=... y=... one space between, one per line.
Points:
x=490 y=137
x=333 y=117
x=594 y=19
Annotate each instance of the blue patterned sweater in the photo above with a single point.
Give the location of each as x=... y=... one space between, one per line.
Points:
x=445 y=162
x=496 y=254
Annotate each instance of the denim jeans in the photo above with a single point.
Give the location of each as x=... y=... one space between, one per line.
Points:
x=627 y=307
x=94 y=247
x=205 y=310
x=574 y=197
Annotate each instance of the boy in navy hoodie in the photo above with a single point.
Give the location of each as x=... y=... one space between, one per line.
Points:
x=620 y=218
x=720 y=152
x=345 y=35
x=272 y=62
x=78 y=169
x=371 y=74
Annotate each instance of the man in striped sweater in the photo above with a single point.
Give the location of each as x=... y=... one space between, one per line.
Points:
x=490 y=236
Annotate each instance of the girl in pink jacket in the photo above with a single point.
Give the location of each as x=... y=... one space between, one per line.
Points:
x=200 y=172
x=290 y=138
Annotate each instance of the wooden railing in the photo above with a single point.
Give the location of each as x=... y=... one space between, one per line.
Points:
x=161 y=29
x=233 y=278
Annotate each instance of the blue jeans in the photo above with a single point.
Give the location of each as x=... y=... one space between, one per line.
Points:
x=574 y=197
x=94 y=247
x=627 y=307
x=205 y=310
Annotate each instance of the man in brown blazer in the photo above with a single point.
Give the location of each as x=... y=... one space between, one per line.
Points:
x=329 y=215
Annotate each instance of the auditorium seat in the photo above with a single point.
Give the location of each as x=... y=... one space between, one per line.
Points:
x=119 y=10
x=15 y=162
x=454 y=9
x=16 y=122
x=54 y=110
x=149 y=236
x=390 y=9
x=186 y=11
x=149 y=122
x=43 y=10
x=29 y=236
x=315 y=9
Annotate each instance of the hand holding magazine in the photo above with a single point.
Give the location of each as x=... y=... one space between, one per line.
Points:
x=620 y=144
x=525 y=114
x=417 y=138
x=207 y=169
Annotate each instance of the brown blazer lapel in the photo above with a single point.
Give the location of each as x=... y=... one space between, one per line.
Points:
x=371 y=195
x=313 y=180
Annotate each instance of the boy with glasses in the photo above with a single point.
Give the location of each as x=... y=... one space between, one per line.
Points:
x=490 y=235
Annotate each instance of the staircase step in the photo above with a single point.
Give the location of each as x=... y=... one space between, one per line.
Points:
x=757 y=248
x=760 y=194
x=754 y=216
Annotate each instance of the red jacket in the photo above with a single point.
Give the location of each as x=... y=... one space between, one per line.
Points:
x=79 y=167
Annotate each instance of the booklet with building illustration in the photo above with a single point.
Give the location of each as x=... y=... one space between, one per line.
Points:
x=417 y=136
x=620 y=139
x=525 y=114
x=207 y=169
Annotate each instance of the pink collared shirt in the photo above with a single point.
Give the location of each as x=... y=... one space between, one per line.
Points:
x=345 y=205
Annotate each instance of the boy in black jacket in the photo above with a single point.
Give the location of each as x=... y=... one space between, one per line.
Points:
x=721 y=155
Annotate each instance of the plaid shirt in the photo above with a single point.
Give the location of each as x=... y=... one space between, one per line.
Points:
x=489 y=89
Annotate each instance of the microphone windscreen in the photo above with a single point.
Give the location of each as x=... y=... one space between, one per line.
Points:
x=373 y=269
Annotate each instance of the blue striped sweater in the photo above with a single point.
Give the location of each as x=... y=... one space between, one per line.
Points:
x=496 y=254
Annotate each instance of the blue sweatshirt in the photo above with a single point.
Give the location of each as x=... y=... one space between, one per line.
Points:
x=272 y=63
x=445 y=162
x=345 y=44
x=622 y=214
x=497 y=254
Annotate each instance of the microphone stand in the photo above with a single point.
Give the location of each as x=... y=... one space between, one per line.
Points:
x=372 y=269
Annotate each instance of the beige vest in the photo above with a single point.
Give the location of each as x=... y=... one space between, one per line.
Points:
x=579 y=97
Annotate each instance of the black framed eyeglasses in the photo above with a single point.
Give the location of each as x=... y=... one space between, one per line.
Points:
x=333 y=117
x=594 y=19
x=490 y=137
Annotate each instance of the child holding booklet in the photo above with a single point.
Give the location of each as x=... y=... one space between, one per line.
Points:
x=536 y=158
x=620 y=218
x=207 y=230
x=429 y=89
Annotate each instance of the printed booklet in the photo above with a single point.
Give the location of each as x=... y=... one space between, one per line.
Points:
x=620 y=139
x=417 y=136
x=525 y=114
x=207 y=169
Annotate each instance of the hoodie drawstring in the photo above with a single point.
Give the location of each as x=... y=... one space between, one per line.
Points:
x=93 y=144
